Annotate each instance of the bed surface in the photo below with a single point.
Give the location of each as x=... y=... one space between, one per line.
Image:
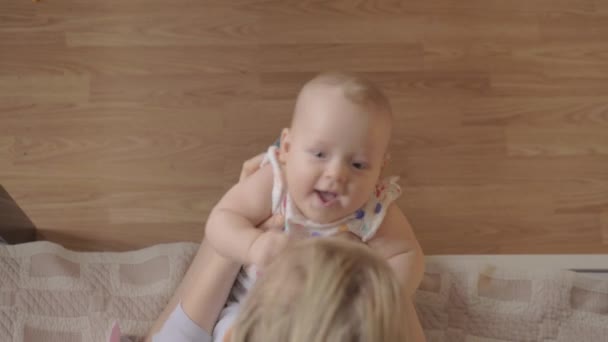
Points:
x=51 y=294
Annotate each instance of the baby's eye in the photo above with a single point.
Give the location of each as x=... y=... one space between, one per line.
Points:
x=359 y=165
x=318 y=154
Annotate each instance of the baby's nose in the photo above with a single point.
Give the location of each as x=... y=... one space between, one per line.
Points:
x=338 y=172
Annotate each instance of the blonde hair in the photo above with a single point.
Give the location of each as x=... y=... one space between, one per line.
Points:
x=357 y=89
x=324 y=290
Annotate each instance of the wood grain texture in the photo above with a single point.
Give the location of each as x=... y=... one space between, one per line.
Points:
x=123 y=122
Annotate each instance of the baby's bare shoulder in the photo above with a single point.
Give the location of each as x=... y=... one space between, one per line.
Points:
x=394 y=234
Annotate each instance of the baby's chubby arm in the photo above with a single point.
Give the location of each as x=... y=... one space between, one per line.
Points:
x=231 y=226
x=396 y=242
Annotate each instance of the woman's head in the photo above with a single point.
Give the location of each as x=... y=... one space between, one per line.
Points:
x=324 y=290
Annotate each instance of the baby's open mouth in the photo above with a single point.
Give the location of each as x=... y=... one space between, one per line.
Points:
x=327 y=197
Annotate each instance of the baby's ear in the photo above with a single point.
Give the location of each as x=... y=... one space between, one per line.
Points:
x=387 y=160
x=285 y=144
x=385 y=163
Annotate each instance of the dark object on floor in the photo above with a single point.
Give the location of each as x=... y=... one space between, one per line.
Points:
x=15 y=226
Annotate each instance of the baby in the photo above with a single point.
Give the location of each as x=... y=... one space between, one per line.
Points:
x=323 y=180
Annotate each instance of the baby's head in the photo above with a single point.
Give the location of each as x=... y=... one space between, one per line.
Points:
x=324 y=290
x=336 y=146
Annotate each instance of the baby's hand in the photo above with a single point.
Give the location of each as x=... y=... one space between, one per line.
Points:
x=266 y=246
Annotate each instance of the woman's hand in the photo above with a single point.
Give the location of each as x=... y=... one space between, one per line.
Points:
x=266 y=247
x=251 y=166
x=347 y=236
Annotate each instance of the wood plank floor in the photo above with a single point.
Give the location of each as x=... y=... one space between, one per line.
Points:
x=123 y=122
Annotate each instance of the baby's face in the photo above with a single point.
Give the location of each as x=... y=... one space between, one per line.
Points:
x=333 y=154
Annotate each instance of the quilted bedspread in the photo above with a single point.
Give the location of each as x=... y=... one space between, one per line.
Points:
x=485 y=303
x=51 y=294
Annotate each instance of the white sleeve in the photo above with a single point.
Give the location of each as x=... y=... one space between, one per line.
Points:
x=180 y=328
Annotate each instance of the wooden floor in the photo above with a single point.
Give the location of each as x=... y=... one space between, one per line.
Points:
x=123 y=122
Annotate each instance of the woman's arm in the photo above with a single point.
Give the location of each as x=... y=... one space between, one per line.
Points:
x=207 y=283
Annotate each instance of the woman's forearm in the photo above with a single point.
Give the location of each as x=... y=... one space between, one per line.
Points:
x=203 y=290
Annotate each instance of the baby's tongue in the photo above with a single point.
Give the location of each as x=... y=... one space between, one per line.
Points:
x=327 y=196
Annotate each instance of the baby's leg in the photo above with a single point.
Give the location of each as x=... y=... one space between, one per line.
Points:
x=204 y=289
